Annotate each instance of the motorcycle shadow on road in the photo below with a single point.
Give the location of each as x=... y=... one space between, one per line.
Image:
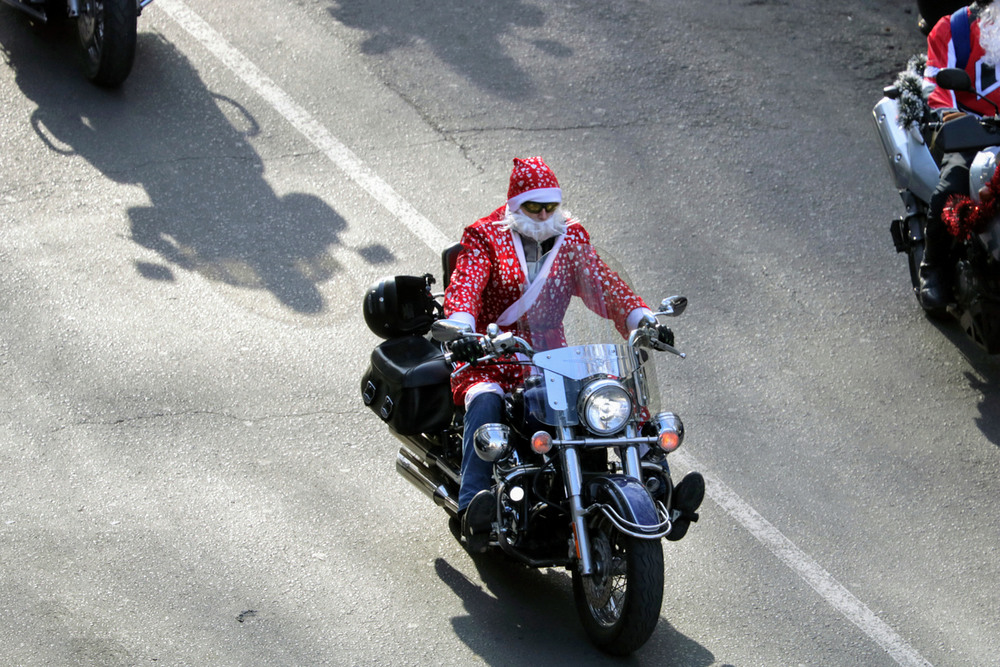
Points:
x=524 y=615
x=985 y=379
x=210 y=210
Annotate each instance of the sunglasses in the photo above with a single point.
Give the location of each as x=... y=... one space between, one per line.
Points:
x=535 y=207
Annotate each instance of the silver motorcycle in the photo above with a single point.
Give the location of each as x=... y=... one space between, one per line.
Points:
x=912 y=137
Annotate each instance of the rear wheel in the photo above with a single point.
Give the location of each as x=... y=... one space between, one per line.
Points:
x=107 y=36
x=619 y=604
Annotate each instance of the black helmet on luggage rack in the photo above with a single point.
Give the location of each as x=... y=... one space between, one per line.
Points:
x=400 y=306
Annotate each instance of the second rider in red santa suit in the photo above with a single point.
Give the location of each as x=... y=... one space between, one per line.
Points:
x=984 y=55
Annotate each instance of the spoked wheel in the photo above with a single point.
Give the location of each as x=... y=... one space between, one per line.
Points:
x=619 y=604
x=107 y=36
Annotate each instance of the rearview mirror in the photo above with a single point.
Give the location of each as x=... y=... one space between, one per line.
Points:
x=953 y=78
x=673 y=306
x=446 y=331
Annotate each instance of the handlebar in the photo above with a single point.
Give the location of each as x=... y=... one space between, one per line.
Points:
x=967 y=133
x=497 y=343
x=648 y=336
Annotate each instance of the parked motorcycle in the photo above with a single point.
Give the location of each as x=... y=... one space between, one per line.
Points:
x=910 y=140
x=106 y=29
x=580 y=475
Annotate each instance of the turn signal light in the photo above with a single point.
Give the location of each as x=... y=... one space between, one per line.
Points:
x=541 y=442
x=671 y=433
x=668 y=441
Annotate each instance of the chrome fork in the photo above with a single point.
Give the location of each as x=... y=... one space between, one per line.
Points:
x=573 y=481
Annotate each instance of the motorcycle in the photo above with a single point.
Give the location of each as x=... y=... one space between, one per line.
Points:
x=911 y=137
x=106 y=29
x=579 y=475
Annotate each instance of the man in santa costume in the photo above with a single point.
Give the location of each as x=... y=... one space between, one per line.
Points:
x=528 y=255
x=969 y=39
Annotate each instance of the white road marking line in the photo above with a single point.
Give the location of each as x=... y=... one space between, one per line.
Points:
x=808 y=569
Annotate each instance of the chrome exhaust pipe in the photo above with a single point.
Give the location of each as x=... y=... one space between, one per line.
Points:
x=431 y=481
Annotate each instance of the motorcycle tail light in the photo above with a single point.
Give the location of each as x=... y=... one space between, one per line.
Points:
x=671 y=433
x=541 y=442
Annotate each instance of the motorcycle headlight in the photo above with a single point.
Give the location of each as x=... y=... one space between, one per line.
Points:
x=605 y=406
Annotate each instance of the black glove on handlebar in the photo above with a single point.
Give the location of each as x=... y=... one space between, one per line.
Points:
x=467 y=349
x=665 y=335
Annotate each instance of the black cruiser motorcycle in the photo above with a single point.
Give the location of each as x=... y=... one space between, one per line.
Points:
x=107 y=31
x=580 y=477
x=911 y=137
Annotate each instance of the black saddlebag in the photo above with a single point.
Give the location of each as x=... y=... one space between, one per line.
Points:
x=407 y=385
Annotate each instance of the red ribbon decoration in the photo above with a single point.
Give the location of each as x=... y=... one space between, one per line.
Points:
x=963 y=217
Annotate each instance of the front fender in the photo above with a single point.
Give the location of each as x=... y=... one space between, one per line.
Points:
x=629 y=499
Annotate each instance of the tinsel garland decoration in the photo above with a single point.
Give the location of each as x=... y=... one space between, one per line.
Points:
x=963 y=217
x=913 y=106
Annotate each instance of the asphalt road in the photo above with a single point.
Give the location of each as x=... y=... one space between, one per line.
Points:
x=188 y=474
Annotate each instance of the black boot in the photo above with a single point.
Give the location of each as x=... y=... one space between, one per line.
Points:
x=931 y=291
x=477 y=521
x=687 y=498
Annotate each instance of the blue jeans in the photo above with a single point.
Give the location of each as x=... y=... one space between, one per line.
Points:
x=477 y=474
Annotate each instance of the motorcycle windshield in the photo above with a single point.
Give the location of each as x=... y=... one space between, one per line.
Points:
x=577 y=324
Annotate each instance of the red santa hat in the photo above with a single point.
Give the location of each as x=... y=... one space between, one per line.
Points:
x=532 y=180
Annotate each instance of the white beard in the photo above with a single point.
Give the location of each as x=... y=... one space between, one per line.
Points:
x=534 y=229
x=989 y=34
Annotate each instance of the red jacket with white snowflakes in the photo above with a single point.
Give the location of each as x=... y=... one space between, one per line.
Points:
x=489 y=277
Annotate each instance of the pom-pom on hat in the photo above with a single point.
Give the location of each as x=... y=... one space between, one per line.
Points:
x=532 y=180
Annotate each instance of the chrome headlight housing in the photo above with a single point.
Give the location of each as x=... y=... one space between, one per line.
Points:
x=605 y=406
x=492 y=442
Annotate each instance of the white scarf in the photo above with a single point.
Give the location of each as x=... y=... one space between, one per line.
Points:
x=530 y=295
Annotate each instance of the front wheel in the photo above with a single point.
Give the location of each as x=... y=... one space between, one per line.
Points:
x=107 y=36
x=619 y=604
